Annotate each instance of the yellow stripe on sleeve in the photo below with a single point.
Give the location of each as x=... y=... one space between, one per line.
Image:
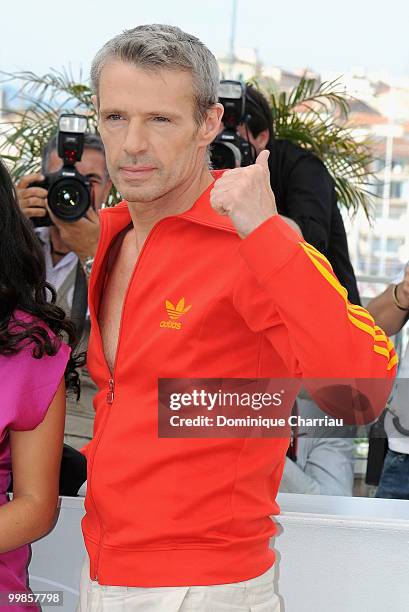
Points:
x=381 y=350
x=308 y=247
x=364 y=326
x=383 y=338
x=361 y=312
x=390 y=344
x=327 y=275
x=353 y=310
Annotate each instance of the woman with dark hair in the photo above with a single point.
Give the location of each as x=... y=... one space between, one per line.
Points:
x=33 y=360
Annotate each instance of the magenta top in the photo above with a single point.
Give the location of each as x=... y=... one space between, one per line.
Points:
x=28 y=386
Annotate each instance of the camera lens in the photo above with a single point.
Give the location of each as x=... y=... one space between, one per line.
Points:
x=224 y=155
x=69 y=199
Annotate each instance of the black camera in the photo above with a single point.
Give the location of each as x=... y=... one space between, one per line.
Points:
x=69 y=192
x=229 y=149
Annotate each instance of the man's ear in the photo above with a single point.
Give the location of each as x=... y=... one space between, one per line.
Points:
x=262 y=140
x=211 y=125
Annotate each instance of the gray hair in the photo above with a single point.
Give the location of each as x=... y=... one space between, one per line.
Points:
x=156 y=47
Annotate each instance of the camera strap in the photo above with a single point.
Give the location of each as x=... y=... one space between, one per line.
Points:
x=79 y=300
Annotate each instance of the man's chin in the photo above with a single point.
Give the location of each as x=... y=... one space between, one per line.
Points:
x=140 y=194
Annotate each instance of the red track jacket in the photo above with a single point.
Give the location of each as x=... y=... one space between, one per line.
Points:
x=171 y=512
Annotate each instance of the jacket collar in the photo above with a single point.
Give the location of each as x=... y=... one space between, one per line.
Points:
x=201 y=212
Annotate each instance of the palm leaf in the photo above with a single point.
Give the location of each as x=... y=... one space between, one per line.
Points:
x=314 y=116
x=44 y=98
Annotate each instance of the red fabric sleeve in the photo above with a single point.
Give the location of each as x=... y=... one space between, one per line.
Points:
x=322 y=335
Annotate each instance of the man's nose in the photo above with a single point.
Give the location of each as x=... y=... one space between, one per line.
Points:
x=136 y=141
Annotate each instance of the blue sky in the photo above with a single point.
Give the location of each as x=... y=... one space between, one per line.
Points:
x=323 y=35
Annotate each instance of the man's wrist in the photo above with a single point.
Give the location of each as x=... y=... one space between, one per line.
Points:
x=257 y=225
x=399 y=300
x=293 y=224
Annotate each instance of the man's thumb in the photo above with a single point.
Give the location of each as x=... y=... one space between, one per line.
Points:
x=262 y=159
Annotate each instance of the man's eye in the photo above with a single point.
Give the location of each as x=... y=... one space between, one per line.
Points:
x=114 y=117
x=161 y=119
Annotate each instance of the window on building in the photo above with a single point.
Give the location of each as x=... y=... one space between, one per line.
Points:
x=378 y=165
x=374 y=267
x=396 y=189
x=396 y=211
x=398 y=164
x=379 y=189
x=392 y=267
x=393 y=244
x=378 y=210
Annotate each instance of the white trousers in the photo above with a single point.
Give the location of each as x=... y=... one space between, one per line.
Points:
x=255 y=595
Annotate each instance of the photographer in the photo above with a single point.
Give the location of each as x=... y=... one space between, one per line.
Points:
x=68 y=248
x=390 y=310
x=303 y=188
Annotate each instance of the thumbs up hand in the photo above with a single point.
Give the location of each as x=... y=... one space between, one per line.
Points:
x=245 y=195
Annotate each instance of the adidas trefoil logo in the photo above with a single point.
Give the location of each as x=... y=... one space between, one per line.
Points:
x=174 y=313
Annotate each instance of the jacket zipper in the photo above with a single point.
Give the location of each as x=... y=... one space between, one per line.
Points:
x=102 y=232
x=110 y=394
x=111 y=381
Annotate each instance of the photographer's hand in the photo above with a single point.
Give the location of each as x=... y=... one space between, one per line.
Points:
x=80 y=236
x=32 y=200
x=245 y=195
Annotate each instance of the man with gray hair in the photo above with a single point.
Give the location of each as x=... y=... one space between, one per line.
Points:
x=185 y=284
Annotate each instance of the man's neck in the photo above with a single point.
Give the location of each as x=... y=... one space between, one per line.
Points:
x=145 y=216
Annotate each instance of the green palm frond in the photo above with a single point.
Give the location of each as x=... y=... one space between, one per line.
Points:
x=54 y=84
x=44 y=97
x=314 y=116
